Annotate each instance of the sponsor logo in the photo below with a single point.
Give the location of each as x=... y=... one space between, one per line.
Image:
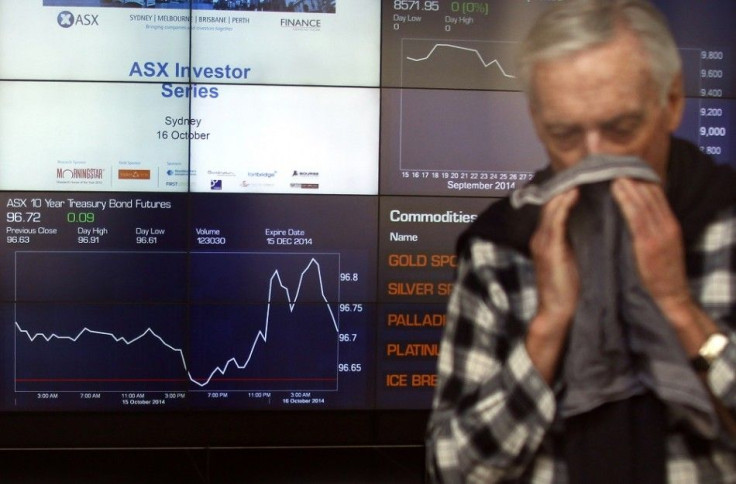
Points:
x=215 y=184
x=305 y=174
x=67 y=19
x=261 y=174
x=179 y=172
x=134 y=174
x=220 y=173
x=80 y=173
x=250 y=184
x=305 y=186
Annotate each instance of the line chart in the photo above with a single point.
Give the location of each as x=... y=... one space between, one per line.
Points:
x=467 y=49
x=262 y=335
x=293 y=347
x=458 y=64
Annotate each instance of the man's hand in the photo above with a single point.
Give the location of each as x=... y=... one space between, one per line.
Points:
x=657 y=239
x=558 y=285
x=554 y=260
x=660 y=258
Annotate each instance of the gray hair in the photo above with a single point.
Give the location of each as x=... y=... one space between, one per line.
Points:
x=573 y=26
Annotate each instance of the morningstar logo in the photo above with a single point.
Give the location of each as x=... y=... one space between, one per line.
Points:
x=67 y=19
x=80 y=173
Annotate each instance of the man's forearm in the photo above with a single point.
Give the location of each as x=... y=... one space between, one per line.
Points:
x=545 y=344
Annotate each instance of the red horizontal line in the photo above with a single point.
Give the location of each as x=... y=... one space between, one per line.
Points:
x=268 y=379
x=181 y=380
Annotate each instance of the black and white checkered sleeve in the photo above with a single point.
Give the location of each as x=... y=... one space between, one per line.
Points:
x=713 y=275
x=492 y=409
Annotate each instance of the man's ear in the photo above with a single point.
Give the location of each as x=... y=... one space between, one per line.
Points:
x=675 y=102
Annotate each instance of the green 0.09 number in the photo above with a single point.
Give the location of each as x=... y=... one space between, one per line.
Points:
x=80 y=217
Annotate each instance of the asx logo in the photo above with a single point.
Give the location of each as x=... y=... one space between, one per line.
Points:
x=149 y=69
x=67 y=19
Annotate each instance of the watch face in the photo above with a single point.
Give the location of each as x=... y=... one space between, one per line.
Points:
x=714 y=346
x=711 y=349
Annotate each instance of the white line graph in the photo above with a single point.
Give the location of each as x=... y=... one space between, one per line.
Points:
x=467 y=49
x=261 y=336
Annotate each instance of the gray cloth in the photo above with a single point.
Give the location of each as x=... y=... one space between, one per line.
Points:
x=620 y=343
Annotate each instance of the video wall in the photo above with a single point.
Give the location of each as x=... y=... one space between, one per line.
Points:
x=253 y=204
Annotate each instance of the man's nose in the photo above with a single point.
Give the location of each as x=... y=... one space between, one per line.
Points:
x=593 y=141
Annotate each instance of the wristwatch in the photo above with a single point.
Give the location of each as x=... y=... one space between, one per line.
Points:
x=711 y=349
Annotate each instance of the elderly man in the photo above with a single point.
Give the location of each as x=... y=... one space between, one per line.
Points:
x=603 y=77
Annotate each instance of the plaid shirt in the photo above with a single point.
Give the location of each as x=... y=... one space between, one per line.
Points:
x=494 y=416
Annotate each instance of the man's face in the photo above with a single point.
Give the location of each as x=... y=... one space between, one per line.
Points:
x=603 y=101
